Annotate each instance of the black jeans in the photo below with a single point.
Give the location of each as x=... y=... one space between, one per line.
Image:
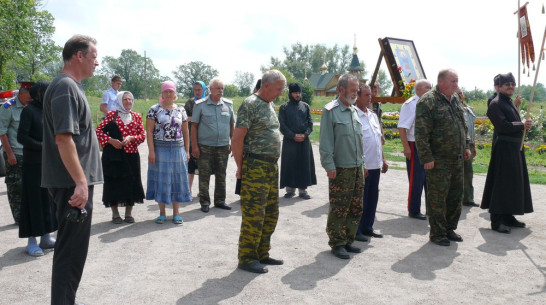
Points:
x=70 y=249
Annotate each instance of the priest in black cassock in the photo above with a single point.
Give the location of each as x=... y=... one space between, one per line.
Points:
x=297 y=163
x=507 y=191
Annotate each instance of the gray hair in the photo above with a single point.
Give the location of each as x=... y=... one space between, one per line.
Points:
x=273 y=76
x=421 y=82
x=345 y=79
x=214 y=81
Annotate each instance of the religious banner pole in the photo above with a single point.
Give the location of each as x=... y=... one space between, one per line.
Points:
x=519 y=52
x=534 y=85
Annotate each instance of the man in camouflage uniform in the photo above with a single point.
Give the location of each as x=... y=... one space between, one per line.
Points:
x=212 y=129
x=342 y=157
x=13 y=150
x=440 y=136
x=256 y=148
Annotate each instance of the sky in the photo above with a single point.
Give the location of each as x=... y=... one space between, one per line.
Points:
x=477 y=38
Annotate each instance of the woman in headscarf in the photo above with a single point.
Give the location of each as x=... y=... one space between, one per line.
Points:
x=37 y=209
x=119 y=134
x=168 y=145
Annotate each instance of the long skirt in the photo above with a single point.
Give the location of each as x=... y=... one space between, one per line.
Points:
x=37 y=208
x=168 y=177
x=123 y=188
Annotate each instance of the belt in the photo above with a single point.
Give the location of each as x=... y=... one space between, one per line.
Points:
x=260 y=157
x=509 y=139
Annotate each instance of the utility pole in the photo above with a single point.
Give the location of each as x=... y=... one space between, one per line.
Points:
x=145 y=77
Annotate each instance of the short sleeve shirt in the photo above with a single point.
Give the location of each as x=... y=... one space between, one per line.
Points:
x=9 y=124
x=263 y=135
x=407 y=117
x=168 y=122
x=214 y=121
x=110 y=98
x=66 y=110
x=371 y=139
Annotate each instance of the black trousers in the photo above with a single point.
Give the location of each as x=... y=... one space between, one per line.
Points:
x=70 y=249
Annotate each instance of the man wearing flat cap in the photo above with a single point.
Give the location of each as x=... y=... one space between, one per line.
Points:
x=297 y=163
x=507 y=191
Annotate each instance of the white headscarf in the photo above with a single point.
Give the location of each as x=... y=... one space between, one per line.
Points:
x=123 y=113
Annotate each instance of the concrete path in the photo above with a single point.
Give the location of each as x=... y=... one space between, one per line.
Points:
x=146 y=263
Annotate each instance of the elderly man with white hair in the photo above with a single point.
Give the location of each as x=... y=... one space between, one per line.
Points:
x=211 y=132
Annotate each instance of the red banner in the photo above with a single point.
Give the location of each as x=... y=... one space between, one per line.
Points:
x=526 y=40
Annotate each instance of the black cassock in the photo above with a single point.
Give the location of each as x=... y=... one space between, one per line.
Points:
x=297 y=162
x=507 y=189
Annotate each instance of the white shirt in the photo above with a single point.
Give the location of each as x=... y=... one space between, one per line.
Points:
x=371 y=139
x=407 y=117
x=110 y=98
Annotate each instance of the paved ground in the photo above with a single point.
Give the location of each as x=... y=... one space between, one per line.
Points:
x=146 y=263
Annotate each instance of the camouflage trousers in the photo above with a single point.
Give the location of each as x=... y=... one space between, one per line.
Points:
x=345 y=194
x=444 y=196
x=212 y=161
x=260 y=209
x=14 y=176
x=468 y=187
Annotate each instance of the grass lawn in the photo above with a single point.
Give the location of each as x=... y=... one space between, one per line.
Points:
x=393 y=148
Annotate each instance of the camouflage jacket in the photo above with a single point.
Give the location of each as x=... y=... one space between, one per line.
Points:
x=263 y=136
x=440 y=129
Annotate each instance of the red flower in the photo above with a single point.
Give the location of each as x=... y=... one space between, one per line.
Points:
x=399 y=68
x=412 y=80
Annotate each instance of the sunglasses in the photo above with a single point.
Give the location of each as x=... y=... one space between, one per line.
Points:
x=509 y=84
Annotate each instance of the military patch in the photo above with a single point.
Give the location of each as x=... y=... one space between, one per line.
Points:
x=331 y=105
x=201 y=100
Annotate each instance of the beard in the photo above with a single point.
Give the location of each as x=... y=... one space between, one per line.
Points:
x=350 y=100
x=292 y=99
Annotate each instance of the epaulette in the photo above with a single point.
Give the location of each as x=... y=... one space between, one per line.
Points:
x=410 y=99
x=331 y=105
x=201 y=100
x=9 y=103
x=227 y=101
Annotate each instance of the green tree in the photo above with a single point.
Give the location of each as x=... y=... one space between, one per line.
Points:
x=307 y=92
x=41 y=49
x=244 y=81
x=186 y=75
x=231 y=90
x=300 y=58
x=15 y=30
x=139 y=74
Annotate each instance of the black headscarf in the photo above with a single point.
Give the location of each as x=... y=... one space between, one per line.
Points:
x=37 y=93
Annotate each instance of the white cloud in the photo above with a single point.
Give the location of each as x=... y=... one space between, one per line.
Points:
x=476 y=38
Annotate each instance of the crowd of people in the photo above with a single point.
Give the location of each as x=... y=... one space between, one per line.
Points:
x=52 y=121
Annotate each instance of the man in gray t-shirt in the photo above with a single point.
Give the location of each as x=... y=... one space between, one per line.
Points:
x=71 y=165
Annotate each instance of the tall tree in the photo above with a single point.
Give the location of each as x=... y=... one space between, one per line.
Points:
x=186 y=75
x=40 y=49
x=301 y=58
x=139 y=74
x=15 y=27
x=244 y=81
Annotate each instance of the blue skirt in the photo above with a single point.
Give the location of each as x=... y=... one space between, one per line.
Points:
x=168 y=177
